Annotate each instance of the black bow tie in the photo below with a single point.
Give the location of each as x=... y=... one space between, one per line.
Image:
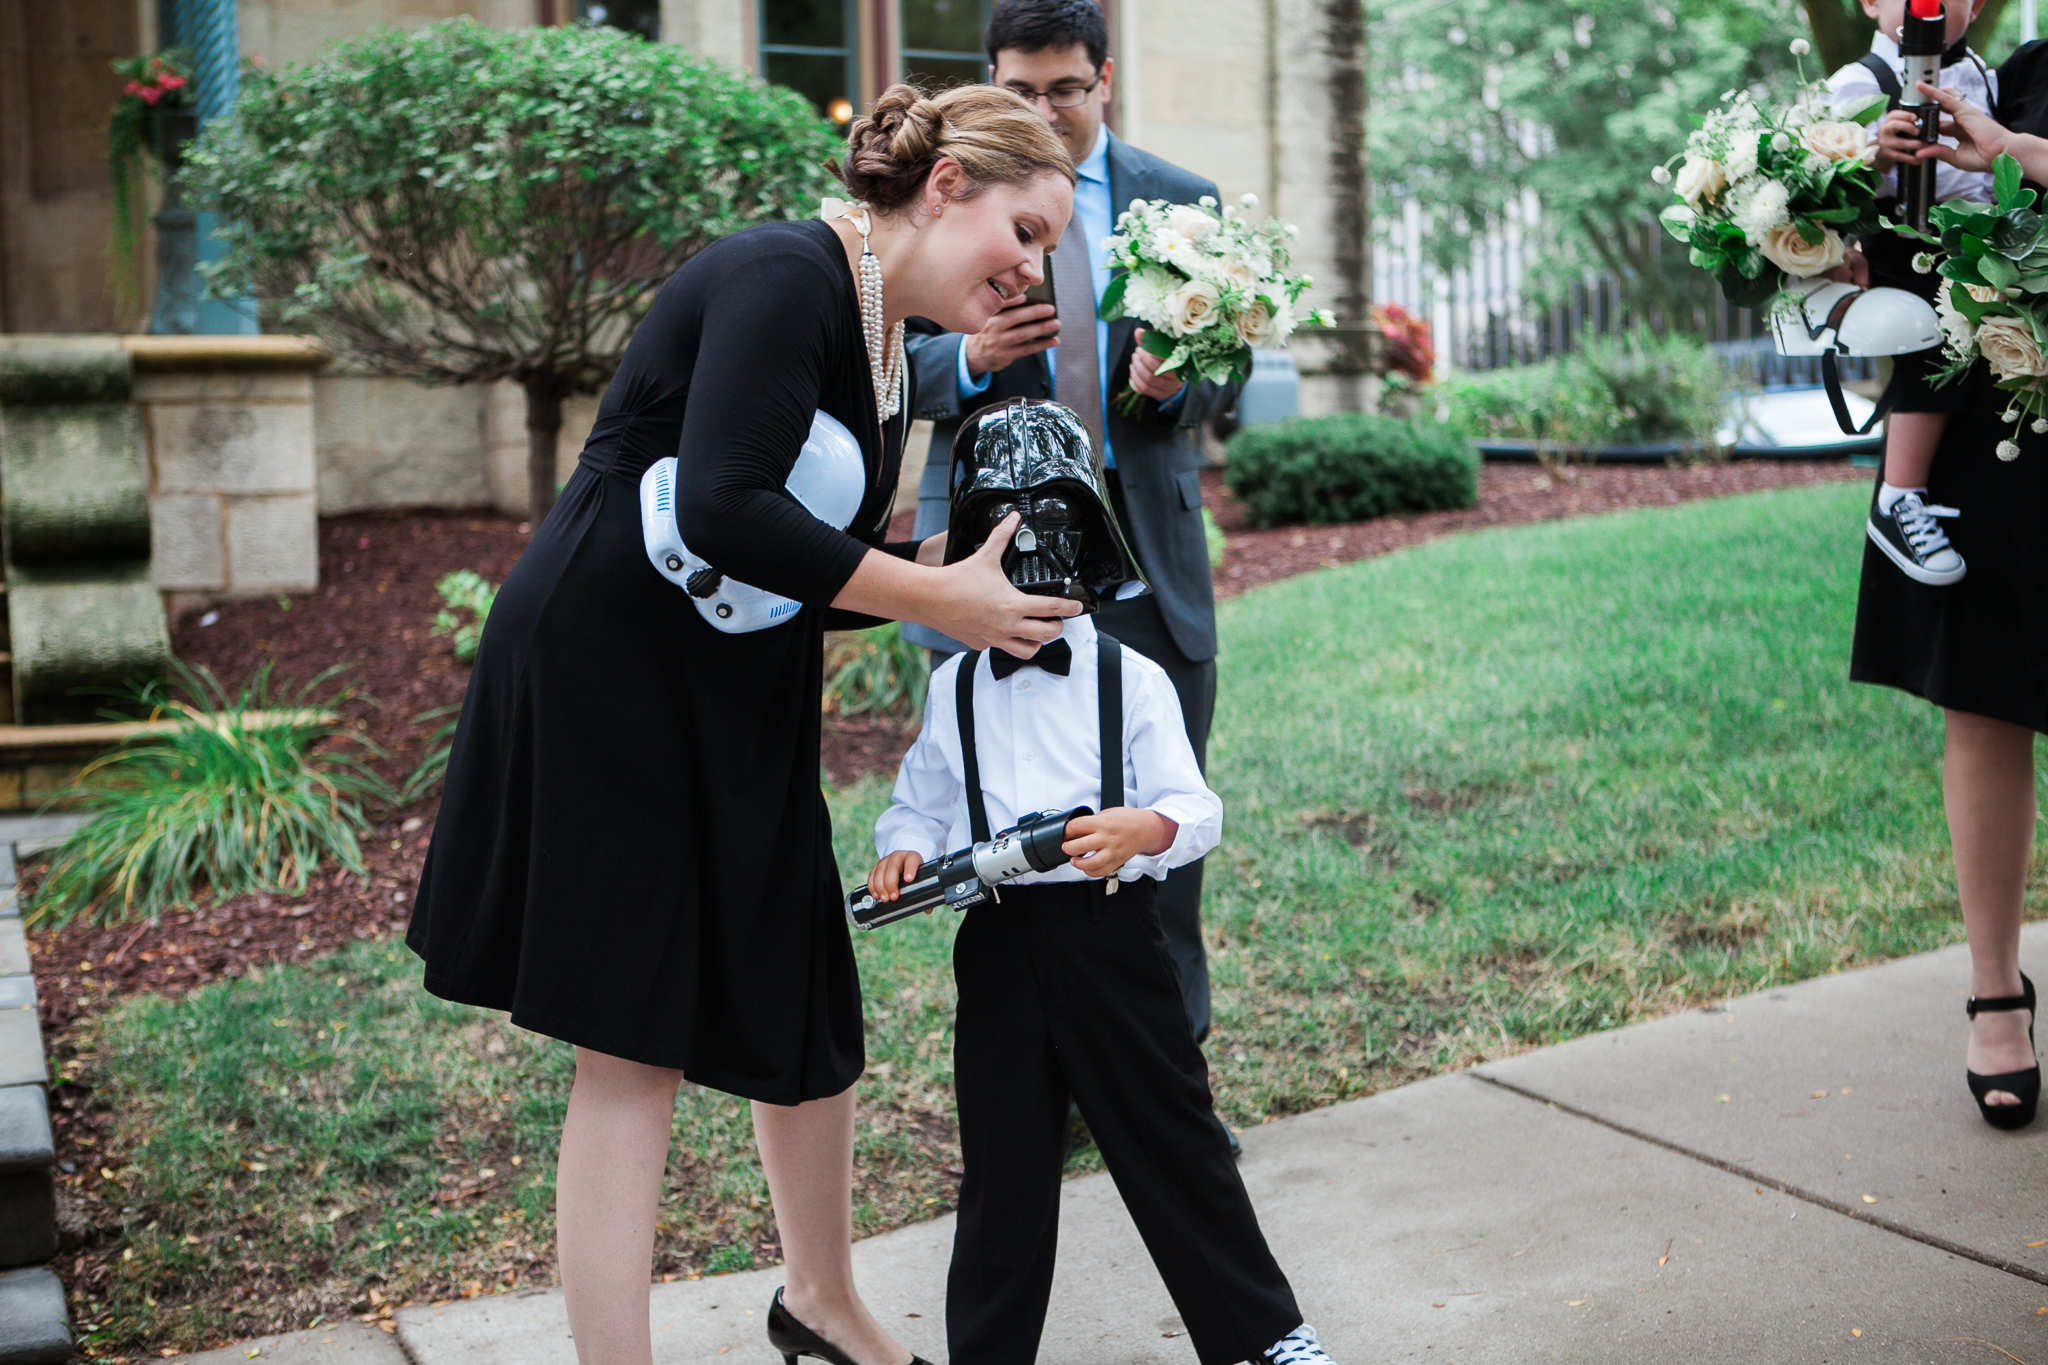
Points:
x=1057 y=657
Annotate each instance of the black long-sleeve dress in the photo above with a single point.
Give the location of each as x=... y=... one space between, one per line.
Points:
x=633 y=852
x=1980 y=645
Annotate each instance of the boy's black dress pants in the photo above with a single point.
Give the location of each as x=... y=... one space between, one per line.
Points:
x=1069 y=993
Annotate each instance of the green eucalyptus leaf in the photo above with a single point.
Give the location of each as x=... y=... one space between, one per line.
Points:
x=2017 y=234
x=2006 y=176
x=1997 y=271
x=1752 y=290
x=1112 y=306
x=1867 y=112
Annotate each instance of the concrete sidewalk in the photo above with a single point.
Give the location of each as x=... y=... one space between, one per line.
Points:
x=1679 y=1190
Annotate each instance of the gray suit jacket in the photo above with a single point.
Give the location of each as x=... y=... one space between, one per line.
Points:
x=1158 y=455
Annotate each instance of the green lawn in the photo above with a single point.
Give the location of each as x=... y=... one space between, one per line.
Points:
x=1484 y=794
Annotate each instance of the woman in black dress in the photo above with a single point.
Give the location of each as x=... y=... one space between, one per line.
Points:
x=633 y=853
x=1979 y=648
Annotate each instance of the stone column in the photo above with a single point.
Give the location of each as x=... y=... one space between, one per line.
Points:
x=228 y=424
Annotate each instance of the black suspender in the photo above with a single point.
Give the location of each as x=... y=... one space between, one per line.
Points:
x=1109 y=689
x=970 y=775
x=1109 y=685
x=1887 y=79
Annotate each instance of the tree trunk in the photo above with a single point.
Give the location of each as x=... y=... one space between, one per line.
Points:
x=1841 y=33
x=544 y=392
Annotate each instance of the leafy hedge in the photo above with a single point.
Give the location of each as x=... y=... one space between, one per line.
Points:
x=1633 y=388
x=1350 y=467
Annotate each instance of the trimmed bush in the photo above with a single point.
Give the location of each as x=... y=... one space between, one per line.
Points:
x=1351 y=466
x=1636 y=388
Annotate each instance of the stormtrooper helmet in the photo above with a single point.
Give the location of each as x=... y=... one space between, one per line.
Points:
x=1034 y=458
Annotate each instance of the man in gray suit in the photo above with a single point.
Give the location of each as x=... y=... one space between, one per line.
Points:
x=1055 y=53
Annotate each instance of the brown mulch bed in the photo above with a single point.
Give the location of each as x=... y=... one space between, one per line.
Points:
x=1509 y=495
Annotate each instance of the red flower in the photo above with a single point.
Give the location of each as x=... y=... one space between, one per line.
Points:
x=1410 y=349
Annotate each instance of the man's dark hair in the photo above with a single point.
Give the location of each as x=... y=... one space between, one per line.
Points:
x=1035 y=25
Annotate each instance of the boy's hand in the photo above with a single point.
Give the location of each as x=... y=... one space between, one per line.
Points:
x=1100 y=844
x=893 y=873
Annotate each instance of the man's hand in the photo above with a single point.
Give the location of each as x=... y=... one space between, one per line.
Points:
x=931 y=551
x=1019 y=329
x=894 y=873
x=1145 y=376
x=1100 y=844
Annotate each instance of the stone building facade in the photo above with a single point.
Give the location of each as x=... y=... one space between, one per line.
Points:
x=1264 y=96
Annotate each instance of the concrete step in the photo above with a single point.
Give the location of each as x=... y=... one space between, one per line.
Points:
x=28 y=1192
x=34 y=1329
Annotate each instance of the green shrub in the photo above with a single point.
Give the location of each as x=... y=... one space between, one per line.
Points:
x=875 y=670
x=249 y=794
x=1350 y=467
x=464 y=590
x=1212 y=536
x=1636 y=388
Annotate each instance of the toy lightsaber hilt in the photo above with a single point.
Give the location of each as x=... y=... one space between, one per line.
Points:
x=964 y=878
x=1922 y=39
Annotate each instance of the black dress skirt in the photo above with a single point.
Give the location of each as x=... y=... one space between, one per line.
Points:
x=1980 y=645
x=633 y=852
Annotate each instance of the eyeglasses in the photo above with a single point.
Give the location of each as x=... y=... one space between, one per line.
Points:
x=1064 y=97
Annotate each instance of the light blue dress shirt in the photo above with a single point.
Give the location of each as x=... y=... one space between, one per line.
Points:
x=1097 y=218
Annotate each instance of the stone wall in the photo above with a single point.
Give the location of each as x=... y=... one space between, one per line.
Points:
x=228 y=425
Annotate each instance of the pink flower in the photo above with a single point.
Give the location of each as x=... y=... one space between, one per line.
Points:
x=170 y=82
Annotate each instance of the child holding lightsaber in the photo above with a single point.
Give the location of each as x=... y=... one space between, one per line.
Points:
x=1915 y=40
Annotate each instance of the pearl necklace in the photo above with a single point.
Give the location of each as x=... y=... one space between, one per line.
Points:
x=885 y=355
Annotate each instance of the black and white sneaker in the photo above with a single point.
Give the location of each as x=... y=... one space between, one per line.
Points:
x=1298 y=1347
x=1912 y=538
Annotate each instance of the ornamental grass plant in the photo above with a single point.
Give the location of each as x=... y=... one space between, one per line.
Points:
x=1350 y=467
x=243 y=793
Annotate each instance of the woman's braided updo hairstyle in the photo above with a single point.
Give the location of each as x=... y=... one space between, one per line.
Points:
x=991 y=134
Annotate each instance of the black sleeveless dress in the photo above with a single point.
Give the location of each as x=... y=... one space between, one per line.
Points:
x=633 y=852
x=1980 y=645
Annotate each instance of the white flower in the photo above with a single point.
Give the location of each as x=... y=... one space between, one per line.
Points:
x=2008 y=345
x=2008 y=451
x=1192 y=307
x=1835 y=141
x=2039 y=426
x=2009 y=415
x=1247 y=202
x=1781 y=141
x=1800 y=47
x=1190 y=223
x=1146 y=294
x=1236 y=270
x=1740 y=163
x=1764 y=207
x=1984 y=293
x=1207 y=201
x=1960 y=331
x=1661 y=174
x=1701 y=181
x=1923 y=263
x=1254 y=324
x=1784 y=248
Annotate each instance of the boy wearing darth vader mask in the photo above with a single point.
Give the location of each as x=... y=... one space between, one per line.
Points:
x=1067 y=990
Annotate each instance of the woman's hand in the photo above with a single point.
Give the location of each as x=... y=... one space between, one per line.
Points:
x=1854 y=269
x=1100 y=844
x=972 y=601
x=1979 y=137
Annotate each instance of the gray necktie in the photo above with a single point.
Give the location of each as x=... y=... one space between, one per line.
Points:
x=1076 y=379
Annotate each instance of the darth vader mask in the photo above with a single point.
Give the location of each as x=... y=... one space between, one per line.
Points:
x=1034 y=458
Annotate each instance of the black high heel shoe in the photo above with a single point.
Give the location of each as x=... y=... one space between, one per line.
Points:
x=2025 y=1084
x=793 y=1339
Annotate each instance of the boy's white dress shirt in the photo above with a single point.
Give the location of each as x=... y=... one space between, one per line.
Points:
x=1969 y=78
x=1038 y=740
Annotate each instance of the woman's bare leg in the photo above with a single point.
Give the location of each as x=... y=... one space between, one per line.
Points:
x=607 y=1184
x=807 y=1152
x=1987 y=782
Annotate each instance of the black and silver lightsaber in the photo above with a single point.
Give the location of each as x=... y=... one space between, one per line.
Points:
x=1922 y=39
x=966 y=878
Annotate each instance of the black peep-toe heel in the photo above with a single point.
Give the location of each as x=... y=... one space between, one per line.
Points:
x=2025 y=1084
x=793 y=1339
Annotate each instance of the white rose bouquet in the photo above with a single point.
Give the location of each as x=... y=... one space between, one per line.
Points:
x=1766 y=193
x=1994 y=295
x=1214 y=287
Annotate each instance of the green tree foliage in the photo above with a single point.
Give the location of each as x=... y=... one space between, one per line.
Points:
x=467 y=204
x=1478 y=102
